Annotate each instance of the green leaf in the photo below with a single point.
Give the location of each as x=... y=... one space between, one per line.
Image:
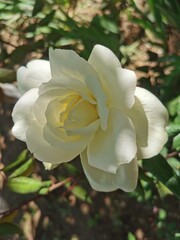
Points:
x=175 y=164
x=177 y=118
x=155 y=11
x=8 y=229
x=38 y=6
x=159 y=167
x=21 y=158
x=173 y=128
x=25 y=185
x=177 y=236
x=22 y=169
x=108 y=24
x=173 y=106
x=163 y=190
x=72 y=170
x=7 y=75
x=131 y=236
x=81 y=193
x=176 y=142
x=20 y=53
x=162 y=214
x=2 y=6
x=43 y=191
x=45 y=21
x=30 y=28
x=9 y=217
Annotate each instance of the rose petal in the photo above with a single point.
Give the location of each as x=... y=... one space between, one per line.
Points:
x=140 y=122
x=32 y=76
x=116 y=146
x=70 y=71
x=52 y=96
x=157 y=117
x=85 y=130
x=43 y=151
x=23 y=113
x=118 y=83
x=125 y=178
x=45 y=98
x=61 y=139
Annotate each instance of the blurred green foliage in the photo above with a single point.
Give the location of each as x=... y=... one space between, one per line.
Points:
x=40 y=24
x=29 y=28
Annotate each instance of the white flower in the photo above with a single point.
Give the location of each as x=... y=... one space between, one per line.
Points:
x=92 y=108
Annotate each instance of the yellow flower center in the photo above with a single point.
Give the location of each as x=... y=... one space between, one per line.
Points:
x=65 y=116
x=78 y=113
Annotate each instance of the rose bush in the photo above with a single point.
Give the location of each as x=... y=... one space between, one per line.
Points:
x=93 y=108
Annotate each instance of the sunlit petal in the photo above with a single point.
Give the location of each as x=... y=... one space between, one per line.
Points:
x=157 y=118
x=23 y=113
x=125 y=178
x=32 y=76
x=118 y=83
x=114 y=147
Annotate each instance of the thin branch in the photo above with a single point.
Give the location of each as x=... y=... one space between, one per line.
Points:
x=173 y=154
x=59 y=184
x=51 y=188
x=8 y=43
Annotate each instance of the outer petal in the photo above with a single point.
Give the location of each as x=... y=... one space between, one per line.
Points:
x=125 y=178
x=119 y=83
x=23 y=113
x=139 y=119
x=116 y=146
x=44 y=99
x=71 y=71
x=43 y=151
x=157 y=118
x=32 y=76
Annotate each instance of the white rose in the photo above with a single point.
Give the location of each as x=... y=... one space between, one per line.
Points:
x=92 y=108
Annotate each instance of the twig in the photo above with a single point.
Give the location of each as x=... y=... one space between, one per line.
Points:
x=59 y=184
x=51 y=188
x=8 y=43
x=173 y=154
